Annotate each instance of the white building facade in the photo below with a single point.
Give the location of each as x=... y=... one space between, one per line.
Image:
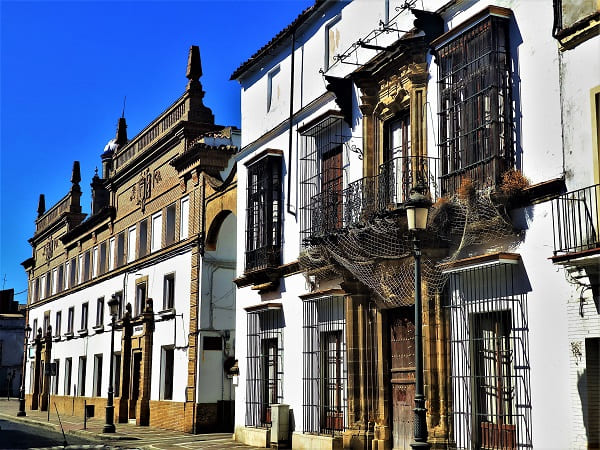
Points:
x=492 y=117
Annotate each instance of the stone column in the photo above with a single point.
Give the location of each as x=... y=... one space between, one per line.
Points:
x=123 y=403
x=143 y=403
x=37 y=376
x=359 y=346
x=382 y=432
x=47 y=344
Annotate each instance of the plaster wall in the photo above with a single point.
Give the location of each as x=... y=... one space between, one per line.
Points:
x=98 y=342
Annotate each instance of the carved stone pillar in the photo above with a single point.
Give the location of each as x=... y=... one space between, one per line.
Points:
x=47 y=350
x=123 y=403
x=361 y=367
x=37 y=376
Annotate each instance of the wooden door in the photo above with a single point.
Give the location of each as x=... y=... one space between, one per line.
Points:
x=402 y=349
x=332 y=182
x=136 y=378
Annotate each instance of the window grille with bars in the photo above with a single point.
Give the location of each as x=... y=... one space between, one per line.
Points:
x=322 y=176
x=325 y=406
x=264 y=375
x=263 y=213
x=489 y=358
x=475 y=115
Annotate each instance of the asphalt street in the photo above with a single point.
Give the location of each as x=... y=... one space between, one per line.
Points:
x=14 y=435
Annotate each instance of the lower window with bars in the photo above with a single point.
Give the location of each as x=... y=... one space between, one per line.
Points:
x=490 y=369
x=265 y=365
x=325 y=405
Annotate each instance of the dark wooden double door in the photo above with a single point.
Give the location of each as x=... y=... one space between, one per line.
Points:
x=402 y=376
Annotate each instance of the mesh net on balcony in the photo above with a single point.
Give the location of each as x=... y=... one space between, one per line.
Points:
x=379 y=252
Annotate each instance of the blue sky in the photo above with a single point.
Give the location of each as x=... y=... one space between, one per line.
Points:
x=65 y=68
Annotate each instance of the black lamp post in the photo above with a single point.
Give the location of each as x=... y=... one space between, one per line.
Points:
x=109 y=426
x=417 y=209
x=22 y=412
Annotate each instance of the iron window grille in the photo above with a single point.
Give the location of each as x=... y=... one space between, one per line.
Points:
x=322 y=176
x=325 y=403
x=264 y=377
x=264 y=213
x=475 y=114
x=490 y=371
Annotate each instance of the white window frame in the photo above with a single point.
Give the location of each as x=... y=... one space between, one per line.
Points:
x=111 y=253
x=184 y=218
x=332 y=23
x=80 y=274
x=131 y=242
x=270 y=77
x=156 y=237
x=95 y=262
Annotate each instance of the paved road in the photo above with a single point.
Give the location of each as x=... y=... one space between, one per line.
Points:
x=15 y=435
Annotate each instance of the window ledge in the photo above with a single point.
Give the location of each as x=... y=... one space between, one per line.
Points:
x=56 y=338
x=167 y=313
x=69 y=335
x=82 y=332
x=98 y=329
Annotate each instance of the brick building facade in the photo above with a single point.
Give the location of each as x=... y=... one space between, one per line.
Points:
x=160 y=197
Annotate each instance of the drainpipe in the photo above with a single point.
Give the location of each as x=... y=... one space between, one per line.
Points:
x=290 y=141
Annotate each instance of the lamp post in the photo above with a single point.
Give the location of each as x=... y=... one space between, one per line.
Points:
x=22 y=412
x=417 y=209
x=109 y=426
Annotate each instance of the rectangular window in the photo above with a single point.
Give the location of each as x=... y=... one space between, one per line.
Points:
x=325 y=373
x=95 y=262
x=489 y=358
x=61 y=278
x=592 y=376
x=81 y=376
x=332 y=41
x=263 y=215
x=475 y=110
x=184 y=220
x=131 y=244
x=111 y=254
x=36 y=289
x=46 y=322
x=102 y=259
x=156 y=232
x=117 y=374
x=264 y=376
x=54 y=281
x=35 y=327
x=58 y=323
x=119 y=297
x=140 y=297
x=170 y=224
x=100 y=311
x=273 y=88
x=87 y=265
x=68 y=367
x=80 y=271
x=55 y=378
x=47 y=292
x=332 y=184
x=97 y=375
x=84 y=316
x=70 y=319
x=169 y=291
x=120 y=249
x=166 y=373
x=143 y=238
x=73 y=272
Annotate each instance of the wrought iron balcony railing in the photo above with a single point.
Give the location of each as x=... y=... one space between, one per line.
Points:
x=575 y=217
x=368 y=197
x=265 y=257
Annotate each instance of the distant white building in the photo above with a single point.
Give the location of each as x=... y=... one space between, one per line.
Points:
x=344 y=113
x=12 y=336
x=160 y=239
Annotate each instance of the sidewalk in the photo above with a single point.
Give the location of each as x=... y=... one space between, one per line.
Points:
x=127 y=436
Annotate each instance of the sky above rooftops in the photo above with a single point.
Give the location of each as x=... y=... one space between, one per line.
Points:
x=65 y=69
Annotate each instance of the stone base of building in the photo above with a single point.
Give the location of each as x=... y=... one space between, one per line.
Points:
x=357 y=439
x=303 y=441
x=254 y=437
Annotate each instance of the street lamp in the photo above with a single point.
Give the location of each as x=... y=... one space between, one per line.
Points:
x=417 y=209
x=22 y=412
x=109 y=426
